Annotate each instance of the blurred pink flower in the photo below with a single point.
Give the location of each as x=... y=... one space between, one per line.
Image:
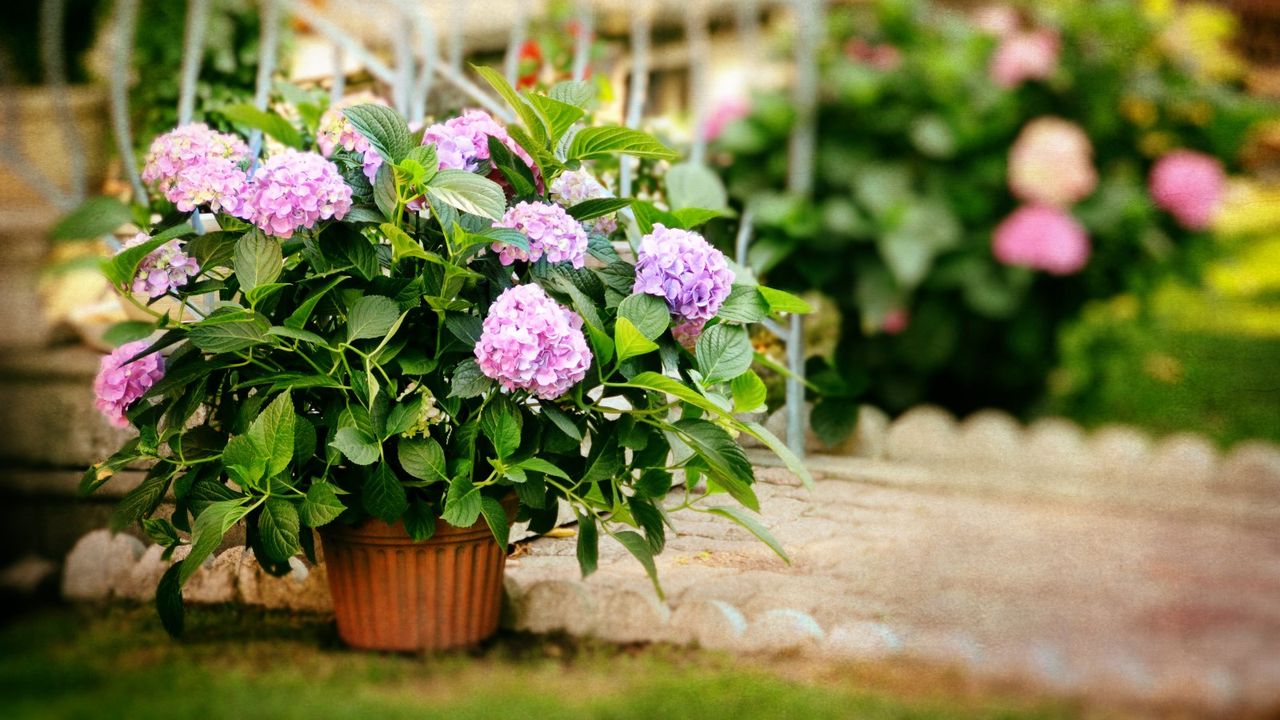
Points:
x=726 y=112
x=1189 y=185
x=895 y=321
x=1051 y=162
x=883 y=57
x=998 y=20
x=1041 y=237
x=687 y=332
x=1022 y=56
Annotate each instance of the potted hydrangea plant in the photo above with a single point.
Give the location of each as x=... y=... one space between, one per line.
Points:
x=409 y=340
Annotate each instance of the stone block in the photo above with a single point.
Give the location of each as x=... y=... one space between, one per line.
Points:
x=1183 y=459
x=1119 y=451
x=1058 y=444
x=627 y=616
x=862 y=640
x=990 y=437
x=783 y=630
x=711 y=624
x=1252 y=468
x=556 y=606
x=922 y=433
x=304 y=588
x=28 y=576
x=99 y=563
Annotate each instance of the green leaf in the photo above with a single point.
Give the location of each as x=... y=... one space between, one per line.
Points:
x=600 y=142
x=386 y=131
x=295 y=334
x=724 y=352
x=694 y=185
x=229 y=330
x=422 y=458
x=629 y=341
x=462 y=503
x=384 y=191
x=403 y=246
x=605 y=459
x=639 y=547
x=647 y=313
x=169 y=599
x=578 y=93
x=127 y=331
x=420 y=521
x=532 y=121
x=161 y=532
x=278 y=528
x=496 y=516
x=268 y=122
x=557 y=116
x=833 y=419
x=272 y=433
x=749 y=392
x=469 y=193
x=383 y=496
x=211 y=524
x=650 y=520
x=596 y=207
x=780 y=301
x=357 y=445
x=466 y=328
x=244 y=461
x=501 y=423
x=372 y=316
x=744 y=305
x=321 y=506
x=661 y=383
x=141 y=501
x=588 y=544
x=542 y=466
x=727 y=463
x=654 y=483
x=690 y=218
x=298 y=318
x=121 y=268
x=752 y=525
x=779 y=448
x=92 y=219
x=425 y=156
x=468 y=381
x=561 y=421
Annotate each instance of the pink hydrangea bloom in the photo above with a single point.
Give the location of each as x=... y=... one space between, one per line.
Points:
x=120 y=383
x=1041 y=237
x=725 y=113
x=896 y=321
x=575 y=186
x=529 y=342
x=336 y=131
x=685 y=270
x=1190 y=186
x=194 y=166
x=883 y=57
x=462 y=143
x=292 y=191
x=552 y=233
x=686 y=332
x=163 y=269
x=1023 y=56
x=1051 y=162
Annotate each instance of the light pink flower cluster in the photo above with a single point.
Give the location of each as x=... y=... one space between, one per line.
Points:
x=120 y=383
x=685 y=270
x=1042 y=237
x=163 y=269
x=1189 y=185
x=1051 y=162
x=575 y=186
x=529 y=342
x=725 y=113
x=552 y=233
x=462 y=143
x=686 y=332
x=1024 y=55
x=194 y=166
x=336 y=131
x=294 y=190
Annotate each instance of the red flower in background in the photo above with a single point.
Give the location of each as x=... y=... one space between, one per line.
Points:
x=529 y=63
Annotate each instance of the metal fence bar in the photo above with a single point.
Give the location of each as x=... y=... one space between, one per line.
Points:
x=269 y=40
x=582 y=41
x=402 y=42
x=699 y=59
x=339 y=84
x=519 y=33
x=804 y=96
x=192 y=54
x=636 y=94
x=126 y=25
x=52 y=15
x=457 y=20
x=429 y=58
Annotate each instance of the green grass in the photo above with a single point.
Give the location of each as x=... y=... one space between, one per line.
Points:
x=239 y=663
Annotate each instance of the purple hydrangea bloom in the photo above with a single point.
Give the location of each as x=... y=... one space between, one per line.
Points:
x=336 y=131
x=462 y=143
x=683 y=268
x=120 y=383
x=529 y=342
x=163 y=269
x=292 y=191
x=194 y=166
x=574 y=186
x=552 y=233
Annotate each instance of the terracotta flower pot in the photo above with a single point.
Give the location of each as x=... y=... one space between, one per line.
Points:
x=390 y=593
